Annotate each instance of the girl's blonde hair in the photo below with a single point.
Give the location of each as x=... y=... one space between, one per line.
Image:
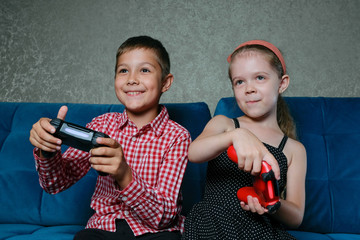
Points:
x=284 y=118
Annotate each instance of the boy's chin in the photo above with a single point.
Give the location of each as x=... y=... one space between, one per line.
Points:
x=141 y=109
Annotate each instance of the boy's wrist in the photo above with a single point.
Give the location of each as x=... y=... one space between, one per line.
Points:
x=125 y=179
x=45 y=154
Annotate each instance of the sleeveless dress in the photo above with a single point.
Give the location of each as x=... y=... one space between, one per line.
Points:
x=220 y=216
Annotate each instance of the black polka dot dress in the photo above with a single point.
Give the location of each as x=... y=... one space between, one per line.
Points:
x=220 y=216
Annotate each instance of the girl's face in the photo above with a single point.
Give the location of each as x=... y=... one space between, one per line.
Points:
x=138 y=81
x=256 y=84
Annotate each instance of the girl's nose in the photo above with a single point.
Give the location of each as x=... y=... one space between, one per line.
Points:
x=250 y=88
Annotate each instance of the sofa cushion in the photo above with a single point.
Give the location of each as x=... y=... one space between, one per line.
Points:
x=36 y=232
x=310 y=235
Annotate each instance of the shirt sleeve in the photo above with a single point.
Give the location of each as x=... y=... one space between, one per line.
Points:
x=159 y=206
x=60 y=172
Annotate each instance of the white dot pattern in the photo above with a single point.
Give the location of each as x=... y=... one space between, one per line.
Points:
x=219 y=215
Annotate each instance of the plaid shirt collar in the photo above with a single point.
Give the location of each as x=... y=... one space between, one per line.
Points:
x=157 y=125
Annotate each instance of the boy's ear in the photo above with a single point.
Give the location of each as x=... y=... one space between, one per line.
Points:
x=166 y=83
x=284 y=83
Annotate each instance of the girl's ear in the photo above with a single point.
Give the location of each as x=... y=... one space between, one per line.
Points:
x=166 y=84
x=284 y=83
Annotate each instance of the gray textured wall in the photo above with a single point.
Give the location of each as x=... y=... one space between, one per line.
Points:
x=64 y=51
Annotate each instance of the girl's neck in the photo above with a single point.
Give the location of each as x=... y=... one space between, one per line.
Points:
x=266 y=121
x=267 y=130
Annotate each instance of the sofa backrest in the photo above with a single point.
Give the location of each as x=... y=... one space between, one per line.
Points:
x=329 y=128
x=21 y=198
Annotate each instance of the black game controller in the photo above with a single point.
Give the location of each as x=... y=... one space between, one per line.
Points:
x=76 y=136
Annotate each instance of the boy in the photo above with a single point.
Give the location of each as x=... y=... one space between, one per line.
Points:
x=145 y=156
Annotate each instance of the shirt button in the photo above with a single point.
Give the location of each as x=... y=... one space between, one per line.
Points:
x=124 y=198
x=133 y=139
x=126 y=213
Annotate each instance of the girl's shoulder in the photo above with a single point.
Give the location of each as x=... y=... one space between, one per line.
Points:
x=295 y=145
x=294 y=150
x=220 y=118
x=222 y=122
x=217 y=125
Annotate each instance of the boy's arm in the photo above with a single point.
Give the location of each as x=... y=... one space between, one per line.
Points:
x=158 y=207
x=56 y=173
x=61 y=171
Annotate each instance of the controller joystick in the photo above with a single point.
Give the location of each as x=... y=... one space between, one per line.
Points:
x=76 y=136
x=265 y=186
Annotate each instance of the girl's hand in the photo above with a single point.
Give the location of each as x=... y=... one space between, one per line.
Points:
x=253 y=205
x=251 y=152
x=110 y=159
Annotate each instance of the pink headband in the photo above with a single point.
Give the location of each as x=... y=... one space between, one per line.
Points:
x=265 y=44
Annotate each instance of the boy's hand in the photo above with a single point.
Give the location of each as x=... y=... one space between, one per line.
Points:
x=110 y=159
x=41 y=133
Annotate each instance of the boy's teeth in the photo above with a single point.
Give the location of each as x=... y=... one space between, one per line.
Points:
x=133 y=93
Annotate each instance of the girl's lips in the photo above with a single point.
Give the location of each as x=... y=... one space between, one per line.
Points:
x=253 y=101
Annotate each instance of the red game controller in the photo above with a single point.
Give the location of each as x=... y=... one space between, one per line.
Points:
x=265 y=187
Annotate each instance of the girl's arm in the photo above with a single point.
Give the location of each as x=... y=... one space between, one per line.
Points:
x=219 y=134
x=214 y=139
x=292 y=209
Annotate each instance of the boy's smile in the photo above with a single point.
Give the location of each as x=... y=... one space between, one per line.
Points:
x=133 y=93
x=138 y=83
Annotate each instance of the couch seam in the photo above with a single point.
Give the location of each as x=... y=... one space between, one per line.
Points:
x=11 y=125
x=331 y=198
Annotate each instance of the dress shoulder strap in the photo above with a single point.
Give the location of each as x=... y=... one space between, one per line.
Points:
x=236 y=122
x=283 y=140
x=282 y=143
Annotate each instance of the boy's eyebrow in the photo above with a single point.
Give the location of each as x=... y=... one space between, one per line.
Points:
x=141 y=63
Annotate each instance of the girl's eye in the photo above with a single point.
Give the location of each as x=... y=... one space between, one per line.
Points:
x=145 y=70
x=122 y=70
x=260 y=78
x=238 y=82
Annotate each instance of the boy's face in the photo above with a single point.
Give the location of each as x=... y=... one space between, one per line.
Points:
x=138 y=83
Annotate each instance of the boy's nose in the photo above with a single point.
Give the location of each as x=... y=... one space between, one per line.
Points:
x=132 y=80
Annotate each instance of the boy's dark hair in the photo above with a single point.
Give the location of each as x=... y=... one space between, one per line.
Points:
x=147 y=42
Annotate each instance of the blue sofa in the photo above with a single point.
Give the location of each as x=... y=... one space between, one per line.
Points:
x=328 y=127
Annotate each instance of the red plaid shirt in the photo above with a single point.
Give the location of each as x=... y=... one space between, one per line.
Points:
x=157 y=155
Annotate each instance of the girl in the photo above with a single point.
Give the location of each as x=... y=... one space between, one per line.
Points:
x=266 y=132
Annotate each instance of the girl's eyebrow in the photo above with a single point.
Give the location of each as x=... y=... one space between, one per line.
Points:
x=261 y=73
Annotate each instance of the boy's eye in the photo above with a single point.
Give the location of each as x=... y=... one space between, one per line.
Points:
x=260 y=78
x=145 y=70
